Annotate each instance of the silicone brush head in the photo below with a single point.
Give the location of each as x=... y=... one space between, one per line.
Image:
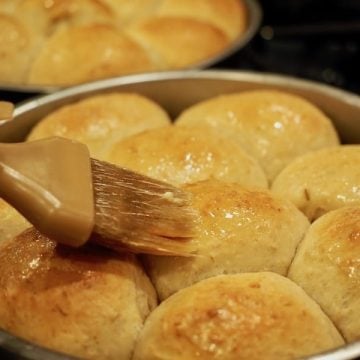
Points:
x=140 y=214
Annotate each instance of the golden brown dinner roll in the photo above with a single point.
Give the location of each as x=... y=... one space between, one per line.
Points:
x=46 y=16
x=322 y=181
x=179 y=41
x=86 y=302
x=246 y=316
x=327 y=267
x=79 y=12
x=15 y=39
x=11 y=222
x=228 y=15
x=85 y=53
x=272 y=126
x=100 y=120
x=187 y=155
x=74 y=41
x=34 y=15
x=8 y=6
x=239 y=230
x=127 y=12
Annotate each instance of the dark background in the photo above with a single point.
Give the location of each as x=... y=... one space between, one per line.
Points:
x=312 y=39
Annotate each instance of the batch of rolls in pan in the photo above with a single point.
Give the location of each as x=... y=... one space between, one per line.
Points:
x=63 y=42
x=277 y=269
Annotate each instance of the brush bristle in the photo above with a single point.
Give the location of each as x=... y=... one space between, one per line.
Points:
x=140 y=214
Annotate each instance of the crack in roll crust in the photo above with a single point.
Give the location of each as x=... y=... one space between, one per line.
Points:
x=322 y=181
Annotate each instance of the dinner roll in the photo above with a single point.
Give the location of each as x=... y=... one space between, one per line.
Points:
x=34 y=14
x=272 y=126
x=239 y=230
x=327 y=267
x=228 y=15
x=14 y=40
x=46 y=16
x=85 y=53
x=8 y=6
x=322 y=181
x=187 y=155
x=86 y=302
x=127 y=12
x=245 y=316
x=11 y=222
x=179 y=41
x=76 y=41
x=100 y=120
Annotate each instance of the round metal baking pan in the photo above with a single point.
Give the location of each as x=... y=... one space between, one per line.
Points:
x=175 y=91
x=254 y=19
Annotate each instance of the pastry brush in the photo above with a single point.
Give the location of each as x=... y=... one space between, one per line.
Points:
x=72 y=198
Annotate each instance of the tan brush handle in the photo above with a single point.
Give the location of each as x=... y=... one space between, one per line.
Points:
x=50 y=183
x=6 y=110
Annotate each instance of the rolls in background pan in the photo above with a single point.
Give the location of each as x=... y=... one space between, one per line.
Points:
x=72 y=41
x=245 y=316
x=18 y=48
x=229 y=16
x=90 y=52
x=88 y=302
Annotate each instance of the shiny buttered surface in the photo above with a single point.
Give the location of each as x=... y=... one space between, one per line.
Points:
x=231 y=300
x=246 y=316
x=272 y=126
x=64 y=42
x=187 y=155
x=87 y=302
x=330 y=254
x=240 y=229
x=98 y=121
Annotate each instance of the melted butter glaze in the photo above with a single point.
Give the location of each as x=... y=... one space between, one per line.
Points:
x=187 y=155
x=244 y=316
x=35 y=262
x=272 y=126
x=99 y=120
x=340 y=241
